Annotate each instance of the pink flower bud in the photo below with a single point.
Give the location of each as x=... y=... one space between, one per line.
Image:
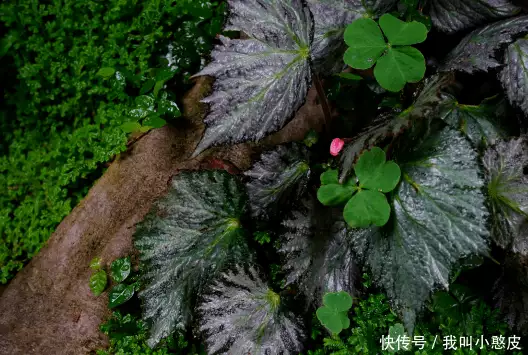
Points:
x=336 y=146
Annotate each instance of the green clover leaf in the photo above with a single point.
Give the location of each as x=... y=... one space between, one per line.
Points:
x=365 y=208
x=375 y=173
x=396 y=62
x=331 y=192
x=334 y=312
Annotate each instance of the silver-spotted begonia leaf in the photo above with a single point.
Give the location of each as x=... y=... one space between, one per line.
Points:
x=508 y=192
x=241 y=315
x=189 y=237
x=331 y=18
x=277 y=179
x=261 y=81
x=479 y=49
x=318 y=256
x=454 y=15
x=514 y=76
x=439 y=216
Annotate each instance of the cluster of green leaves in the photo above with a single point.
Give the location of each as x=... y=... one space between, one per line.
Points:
x=365 y=203
x=396 y=62
x=60 y=121
x=128 y=334
x=119 y=272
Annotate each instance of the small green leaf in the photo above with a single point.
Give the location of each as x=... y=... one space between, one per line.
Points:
x=311 y=138
x=157 y=87
x=168 y=107
x=144 y=102
x=98 y=282
x=350 y=76
x=375 y=173
x=340 y=301
x=149 y=84
x=334 y=194
x=95 y=264
x=366 y=43
x=130 y=127
x=120 y=269
x=399 y=66
x=154 y=121
x=106 y=72
x=120 y=294
x=365 y=208
x=329 y=177
x=399 y=32
x=330 y=319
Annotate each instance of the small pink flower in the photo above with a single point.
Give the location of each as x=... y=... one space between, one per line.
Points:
x=336 y=146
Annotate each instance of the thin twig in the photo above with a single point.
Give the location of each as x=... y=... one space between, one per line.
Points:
x=324 y=103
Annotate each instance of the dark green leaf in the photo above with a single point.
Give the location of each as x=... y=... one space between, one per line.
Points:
x=439 y=216
x=329 y=177
x=514 y=76
x=508 y=191
x=189 y=236
x=169 y=108
x=120 y=294
x=451 y=15
x=154 y=121
x=120 y=269
x=317 y=252
x=281 y=175
x=262 y=81
x=242 y=315
x=366 y=43
x=106 y=72
x=98 y=282
x=478 y=123
x=147 y=86
x=477 y=51
x=400 y=33
x=350 y=76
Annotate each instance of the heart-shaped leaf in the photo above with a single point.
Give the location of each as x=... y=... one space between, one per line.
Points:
x=339 y=301
x=120 y=269
x=154 y=121
x=375 y=173
x=330 y=319
x=366 y=43
x=398 y=66
x=334 y=194
x=106 y=72
x=330 y=177
x=365 y=208
x=403 y=33
x=120 y=294
x=98 y=282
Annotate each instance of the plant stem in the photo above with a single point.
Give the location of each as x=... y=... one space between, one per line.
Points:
x=324 y=103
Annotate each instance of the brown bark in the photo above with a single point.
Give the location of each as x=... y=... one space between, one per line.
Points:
x=48 y=307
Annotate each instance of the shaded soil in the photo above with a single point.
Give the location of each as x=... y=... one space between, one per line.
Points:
x=48 y=307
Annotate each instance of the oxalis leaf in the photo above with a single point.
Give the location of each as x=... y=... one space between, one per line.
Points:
x=508 y=191
x=334 y=312
x=242 y=315
x=396 y=62
x=331 y=18
x=477 y=51
x=514 y=76
x=281 y=175
x=439 y=216
x=189 y=237
x=479 y=123
x=427 y=104
x=262 y=81
x=452 y=15
x=317 y=254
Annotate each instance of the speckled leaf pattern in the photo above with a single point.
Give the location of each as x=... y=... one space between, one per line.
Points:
x=241 y=315
x=439 y=216
x=261 y=81
x=189 y=236
x=478 y=50
x=454 y=15
x=331 y=18
x=479 y=123
x=508 y=193
x=511 y=292
x=514 y=76
x=384 y=126
x=318 y=257
x=279 y=177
